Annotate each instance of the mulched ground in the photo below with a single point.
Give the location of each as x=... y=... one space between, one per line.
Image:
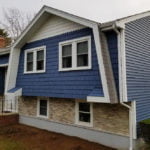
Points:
x=21 y=137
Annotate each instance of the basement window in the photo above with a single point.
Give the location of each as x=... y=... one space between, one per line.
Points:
x=43 y=108
x=84 y=114
x=35 y=60
x=75 y=54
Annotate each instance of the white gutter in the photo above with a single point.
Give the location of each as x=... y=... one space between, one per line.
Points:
x=114 y=27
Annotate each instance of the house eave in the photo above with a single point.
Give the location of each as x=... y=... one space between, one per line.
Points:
x=4 y=51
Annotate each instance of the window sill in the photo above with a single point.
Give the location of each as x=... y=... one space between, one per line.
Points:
x=75 y=69
x=34 y=72
x=44 y=117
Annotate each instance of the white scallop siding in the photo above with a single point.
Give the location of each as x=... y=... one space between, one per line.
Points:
x=55 y=26
x=137 y=46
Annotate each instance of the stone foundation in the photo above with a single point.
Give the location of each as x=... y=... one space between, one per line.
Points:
x=111 y=118
x=106 y=117
x=62 y=110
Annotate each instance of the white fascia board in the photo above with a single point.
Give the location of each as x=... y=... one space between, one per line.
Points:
x=97 y=99
x=56 y=12
x=71 y=17
x=100 y=62
x=39 y=14
x=12 y=69
x=4 y=65
x=123 y=21
x=4 y=52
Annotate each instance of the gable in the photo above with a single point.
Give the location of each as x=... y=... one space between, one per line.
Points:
x=53 y=26
x=31 y=33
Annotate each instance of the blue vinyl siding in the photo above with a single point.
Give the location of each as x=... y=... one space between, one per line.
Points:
x=2 y=80
x=137 y=42
x=4 y=59
x=97 y=92
x=113 y=51
x=68 y=84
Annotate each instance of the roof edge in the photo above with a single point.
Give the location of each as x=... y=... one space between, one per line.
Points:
x=4 y=51
x=50 y=10
x=122 y=21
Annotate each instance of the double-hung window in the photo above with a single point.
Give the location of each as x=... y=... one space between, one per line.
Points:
x=35 y=60
x=84 y=114
x=75 y=54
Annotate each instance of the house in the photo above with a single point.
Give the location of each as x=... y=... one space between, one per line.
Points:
x=82 y=78
x=4 y=58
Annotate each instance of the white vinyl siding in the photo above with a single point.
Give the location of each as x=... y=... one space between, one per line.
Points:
x=55 y=26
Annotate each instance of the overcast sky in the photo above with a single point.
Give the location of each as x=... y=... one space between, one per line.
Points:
x=98 y=10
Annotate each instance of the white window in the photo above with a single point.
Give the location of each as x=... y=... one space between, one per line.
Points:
x=84 y=114
x=35 y=60
x=43 y=108
x=75 y=54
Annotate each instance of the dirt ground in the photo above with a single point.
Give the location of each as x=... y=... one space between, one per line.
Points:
x=21 y=137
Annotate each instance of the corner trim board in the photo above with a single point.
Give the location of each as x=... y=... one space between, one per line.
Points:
x=133 y=104
x=123 y=66
x=100 y=62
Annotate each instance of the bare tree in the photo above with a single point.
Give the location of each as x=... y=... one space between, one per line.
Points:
x=15 y=21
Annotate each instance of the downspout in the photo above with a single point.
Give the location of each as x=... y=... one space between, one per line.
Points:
x=121 y=102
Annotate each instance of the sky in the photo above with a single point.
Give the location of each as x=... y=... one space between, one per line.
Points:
x=97 y=10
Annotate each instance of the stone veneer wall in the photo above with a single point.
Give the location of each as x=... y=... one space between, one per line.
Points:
x=106 y=117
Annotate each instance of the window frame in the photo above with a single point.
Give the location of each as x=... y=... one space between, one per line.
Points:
x=38 y=108
x=74 y=54
x=77 y=121
x=34 y=50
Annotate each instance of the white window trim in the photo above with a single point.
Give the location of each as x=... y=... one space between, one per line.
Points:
x=34 y=50
x=38 y=108
x=74 y=54
x=77 y=115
